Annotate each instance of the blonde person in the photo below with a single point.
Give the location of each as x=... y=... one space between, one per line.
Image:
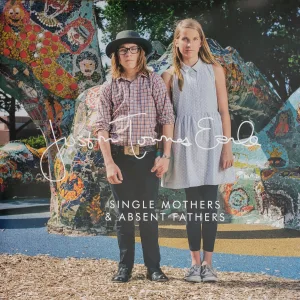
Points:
x=196 y=83
x=131 y=106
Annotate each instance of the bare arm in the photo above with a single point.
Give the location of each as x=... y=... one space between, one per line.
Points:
x=167 y=129
x=226 y=157
x=167 y=78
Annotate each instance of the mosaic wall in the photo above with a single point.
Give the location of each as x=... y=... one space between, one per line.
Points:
x=267 y=189
x=49 y=55
x=20 y=171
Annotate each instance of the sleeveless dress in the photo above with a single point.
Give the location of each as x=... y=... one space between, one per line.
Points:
x=196 y=160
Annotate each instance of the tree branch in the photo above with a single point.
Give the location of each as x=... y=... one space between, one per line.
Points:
x=24 y=125
x=4 y=121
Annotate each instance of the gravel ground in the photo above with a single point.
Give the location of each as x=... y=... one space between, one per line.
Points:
x=44 y=277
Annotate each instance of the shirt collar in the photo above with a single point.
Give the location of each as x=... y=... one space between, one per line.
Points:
x=195 y=67
x=139 y=75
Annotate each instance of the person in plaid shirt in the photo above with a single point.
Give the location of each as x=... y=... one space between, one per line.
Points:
x=131 y=106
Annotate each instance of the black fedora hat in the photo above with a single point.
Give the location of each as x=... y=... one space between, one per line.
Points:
x=128 y=36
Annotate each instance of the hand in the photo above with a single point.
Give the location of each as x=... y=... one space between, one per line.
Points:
x=226 y=160
x=161 y=166
x=113 y=173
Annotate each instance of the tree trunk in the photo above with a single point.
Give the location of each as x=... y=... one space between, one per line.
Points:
x=12 y=120
x=130 y=15
x=294 y=84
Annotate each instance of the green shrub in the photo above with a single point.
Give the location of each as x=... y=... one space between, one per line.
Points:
x=35 y=141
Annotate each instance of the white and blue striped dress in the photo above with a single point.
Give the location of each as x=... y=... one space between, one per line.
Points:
x=196 y=107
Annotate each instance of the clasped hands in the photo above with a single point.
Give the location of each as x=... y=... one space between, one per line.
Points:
x=114 y=174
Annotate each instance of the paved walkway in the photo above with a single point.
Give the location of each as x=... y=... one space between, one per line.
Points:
x=26 y=233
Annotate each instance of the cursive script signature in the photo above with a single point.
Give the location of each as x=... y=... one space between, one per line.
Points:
x=83 y=142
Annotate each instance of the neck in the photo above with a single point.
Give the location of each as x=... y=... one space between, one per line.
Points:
x=190 y=61
x=130 y=74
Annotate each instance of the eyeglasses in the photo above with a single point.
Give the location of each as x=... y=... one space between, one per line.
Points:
x=133 y=50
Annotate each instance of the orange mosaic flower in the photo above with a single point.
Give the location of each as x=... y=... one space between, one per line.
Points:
x=39 y=50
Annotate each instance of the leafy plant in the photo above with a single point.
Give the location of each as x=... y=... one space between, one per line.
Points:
x=35 y=141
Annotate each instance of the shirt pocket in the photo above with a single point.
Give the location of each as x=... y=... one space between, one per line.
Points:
x=146 y=101
x=119 y=104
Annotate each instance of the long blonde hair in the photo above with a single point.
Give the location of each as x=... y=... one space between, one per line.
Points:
x=204 y=51
x=117 y=69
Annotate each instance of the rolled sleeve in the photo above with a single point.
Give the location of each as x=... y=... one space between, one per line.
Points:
x=104 y=109
x=164 y=107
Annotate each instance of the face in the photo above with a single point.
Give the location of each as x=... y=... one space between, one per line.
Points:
x=14 y=15
x=189 y=43
x=74 y=37
x=87 y=67
x=128 y=60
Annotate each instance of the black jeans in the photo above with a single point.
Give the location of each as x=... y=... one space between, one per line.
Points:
x=198 y=204
x=139 y=183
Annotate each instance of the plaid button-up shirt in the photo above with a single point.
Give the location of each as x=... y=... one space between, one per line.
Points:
x=144 y=103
